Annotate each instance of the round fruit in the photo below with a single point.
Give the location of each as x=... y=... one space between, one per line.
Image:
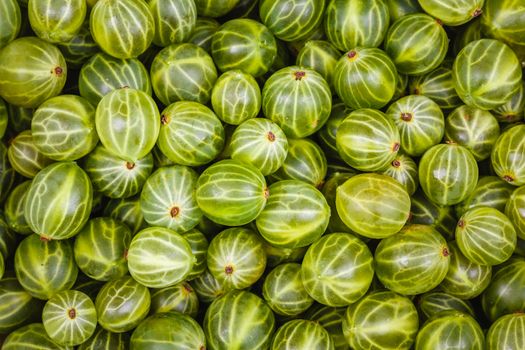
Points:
x=486 y=236
x=244 y=44
x=159 y=257
x=231 y=193
x=24 y=156
x=367 y=140
x=228 y=325
x=437 y=85
x=297 y=99
x=31 y=336
x=381 y=320
x=56 y=21
x=190 y=134
x=261 y=143
x=69 y=317
x=174 y=20
x=63 y=127
x=59 y=201
x=373 y=205
x=284 y=291
x=337 y=269
x=168 y=199
x=453 y=12
x=11 y=21
x=448 y=173
x=413 y=261
x=508 y=155
x=32 y=71
x=291 y=20
x=124 y=28
x=45 y=267
x=465 y=279
x=515 y=210
x=101 y=249
x=104 y=73
x=400 y=8
x=180 y=297
x=365 y=78
x=475 y=68
x=296 y=215
x=113 y=176
x=236 y=97
x=122 y=304
x=173 y=328
x=507 y=333
x=420 y=122
x=302 y=334
x=475 y=129
x=305 y=161
x=350 y=24
x=195 y=71
x=128 y=123
x=236 y=258
x=450 y=329
x=404 y=170
x=417 y=44
x=491 y=191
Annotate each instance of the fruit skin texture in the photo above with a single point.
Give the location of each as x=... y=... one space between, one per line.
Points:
x=159 y=257
x=508 y=155
x=338 y=280
x=302 y=334
x=420 y=122
x=297 y=99
x=238 y=320
x=417 y=44
x=56 y=21
x=373 y=205
x=448 y=173
x=122 y=304
x=124 y=28
x=291 y=20
x=354 y=23
x=365 y=78
x=128 y=123
x=450 y=329
x=394 y=314
x=368 y=140
x=453 y=12
x=220 y=187
x=59 y=201
x=486 y=236
x=413 y=261
x=295 y=216
x=474 y=70
x=11 y=21
x=244 y=44
x=31 y=71
x=507 y=333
